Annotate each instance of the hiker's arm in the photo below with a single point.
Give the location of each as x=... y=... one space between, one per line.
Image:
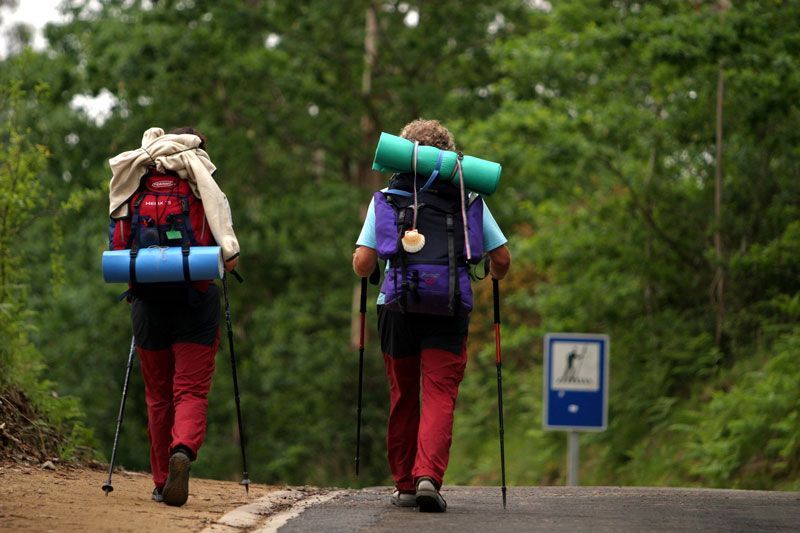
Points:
x=364 y=259
x=500 y=260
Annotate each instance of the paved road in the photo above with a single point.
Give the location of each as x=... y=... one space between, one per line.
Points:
x=596 y=509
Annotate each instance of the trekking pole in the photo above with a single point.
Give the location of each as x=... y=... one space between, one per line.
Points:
x=245 y=477
x=107 y=486
x=496 y=295
x=363 y=312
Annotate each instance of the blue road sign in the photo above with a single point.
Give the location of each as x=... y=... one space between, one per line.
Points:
x=576 y=381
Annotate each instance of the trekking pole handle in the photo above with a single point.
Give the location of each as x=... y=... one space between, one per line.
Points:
x=363 y=301
x=496 y=297
x=238 y=276
x=362 y=314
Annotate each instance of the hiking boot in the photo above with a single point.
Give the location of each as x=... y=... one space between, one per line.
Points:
x=428 y=498
x=157 y=496
x=404 y=499
x=176 y=489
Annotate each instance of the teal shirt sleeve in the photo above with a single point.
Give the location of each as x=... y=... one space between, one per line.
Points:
x=367 y=236
x=492 y=234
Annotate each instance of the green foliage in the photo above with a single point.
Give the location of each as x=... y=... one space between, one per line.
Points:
x=22 y=199
x=749 y=435
x=603 y=116
x=20 y=164
x=606 y=132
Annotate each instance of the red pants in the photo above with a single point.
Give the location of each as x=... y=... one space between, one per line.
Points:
x=177 y=381
x=418 y=440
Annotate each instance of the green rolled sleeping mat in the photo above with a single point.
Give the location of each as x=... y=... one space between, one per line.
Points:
x=395 y=154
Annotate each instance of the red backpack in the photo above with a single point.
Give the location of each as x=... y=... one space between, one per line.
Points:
x=163 y=212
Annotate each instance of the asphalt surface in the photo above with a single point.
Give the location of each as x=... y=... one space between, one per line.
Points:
x=596 y=509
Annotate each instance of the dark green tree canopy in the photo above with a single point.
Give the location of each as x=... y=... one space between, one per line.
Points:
x=650 y=191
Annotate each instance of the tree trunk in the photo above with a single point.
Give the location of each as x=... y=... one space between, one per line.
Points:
x=365 y=177
x=719 y=275
x=649 y=291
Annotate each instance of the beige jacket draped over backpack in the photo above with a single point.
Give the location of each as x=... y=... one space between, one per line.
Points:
x=179 y=153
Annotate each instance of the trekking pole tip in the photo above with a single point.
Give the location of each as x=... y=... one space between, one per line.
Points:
x=246 y=482
x=107 y=488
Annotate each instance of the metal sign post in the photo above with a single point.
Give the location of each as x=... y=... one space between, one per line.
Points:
x=573 y=458
x=575 y=388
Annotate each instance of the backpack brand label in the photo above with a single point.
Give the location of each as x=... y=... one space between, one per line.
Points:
x=162 y=184
x=153 y=203
x=430 y=278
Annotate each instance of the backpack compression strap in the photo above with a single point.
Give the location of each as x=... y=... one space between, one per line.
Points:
x=133 y=253
x=134 y=235
x=455 y=291
x=185 y=251
x=401 y=253
x=133 y=239
x=186 y=244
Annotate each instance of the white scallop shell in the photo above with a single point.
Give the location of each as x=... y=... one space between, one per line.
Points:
x=413 y=241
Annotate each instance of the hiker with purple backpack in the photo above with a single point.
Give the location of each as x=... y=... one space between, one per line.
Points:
x=429 y=235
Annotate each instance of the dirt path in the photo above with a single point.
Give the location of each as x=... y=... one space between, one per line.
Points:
x=70 y=499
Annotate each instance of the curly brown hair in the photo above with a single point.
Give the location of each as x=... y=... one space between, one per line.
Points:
x=429 y=133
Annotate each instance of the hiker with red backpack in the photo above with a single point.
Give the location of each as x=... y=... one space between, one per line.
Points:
x=429 y=235
x=164 y=194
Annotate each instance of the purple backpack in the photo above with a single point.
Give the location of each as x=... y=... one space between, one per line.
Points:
x=435 y=279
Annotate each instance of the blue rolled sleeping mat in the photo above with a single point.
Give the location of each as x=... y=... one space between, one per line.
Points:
x=157 y=264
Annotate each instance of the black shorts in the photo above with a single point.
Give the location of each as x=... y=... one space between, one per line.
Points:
x=407 y=334
x=176 y=315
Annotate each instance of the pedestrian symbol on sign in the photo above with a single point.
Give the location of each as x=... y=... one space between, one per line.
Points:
x=575 y=367
x=572 y=372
